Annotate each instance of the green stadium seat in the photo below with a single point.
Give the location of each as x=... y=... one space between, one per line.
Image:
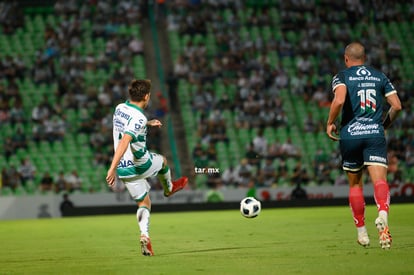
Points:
x=201 y=181
x=6 y=191
x=235 y=152
x=244 y=135
x=20 y=191
x=3 y=161
x=82 y=139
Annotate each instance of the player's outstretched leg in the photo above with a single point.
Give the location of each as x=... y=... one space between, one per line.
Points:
x=146 y=247
x=385 y=238
x=177 y=185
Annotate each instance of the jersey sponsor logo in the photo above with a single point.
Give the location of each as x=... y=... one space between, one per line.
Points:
x=118 y=123
x=139 y=124
x=347 y=163
x=122 y=114
x=125 y=163
x=377 y=159
x=362 y=78
x=363 y=72
x=357 y=129
x=133 y=170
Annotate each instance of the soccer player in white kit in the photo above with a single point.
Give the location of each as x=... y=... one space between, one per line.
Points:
x=132 y=163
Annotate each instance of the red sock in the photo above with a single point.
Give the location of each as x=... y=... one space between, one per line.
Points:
x=382 y=195
x=357 y=204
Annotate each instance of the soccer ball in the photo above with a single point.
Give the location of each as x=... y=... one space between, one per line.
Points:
x=250 y=207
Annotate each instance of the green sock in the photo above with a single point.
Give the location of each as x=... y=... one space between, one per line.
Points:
x=165 y=178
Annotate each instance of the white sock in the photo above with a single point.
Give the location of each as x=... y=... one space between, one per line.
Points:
x=361 y=229
x=384 y=215
x=143 y=217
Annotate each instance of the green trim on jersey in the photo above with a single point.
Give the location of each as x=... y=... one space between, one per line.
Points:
x=141 y=138
x=134 y=138
x=140 y=153
x=134 y=106
x=134 y=170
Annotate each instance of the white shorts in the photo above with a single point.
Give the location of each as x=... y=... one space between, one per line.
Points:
x=138 y=186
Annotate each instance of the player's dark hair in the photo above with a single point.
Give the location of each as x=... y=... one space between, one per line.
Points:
x=138 y=89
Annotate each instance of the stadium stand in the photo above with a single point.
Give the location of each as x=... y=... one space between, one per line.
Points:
x=287 y=52
x=62 y=69
x=242 y=67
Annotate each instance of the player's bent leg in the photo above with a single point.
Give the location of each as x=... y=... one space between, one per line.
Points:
x=165 y=162
x=170 y=187
x=382 y=198
x=164 y=176
x=378 y=174
x=177 y=185
x=385 y=238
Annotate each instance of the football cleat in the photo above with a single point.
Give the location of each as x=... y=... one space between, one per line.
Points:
x=177 y=185
x=385 y=238
x=363 y=239
x=146 y=247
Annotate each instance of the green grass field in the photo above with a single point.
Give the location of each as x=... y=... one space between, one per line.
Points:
x=314 y=240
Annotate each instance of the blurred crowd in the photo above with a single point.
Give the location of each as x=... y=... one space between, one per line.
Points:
x=62 y=62
x=308 y=38
x=257 y=51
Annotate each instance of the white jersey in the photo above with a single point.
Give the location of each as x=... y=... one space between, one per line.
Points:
x=129 y=119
